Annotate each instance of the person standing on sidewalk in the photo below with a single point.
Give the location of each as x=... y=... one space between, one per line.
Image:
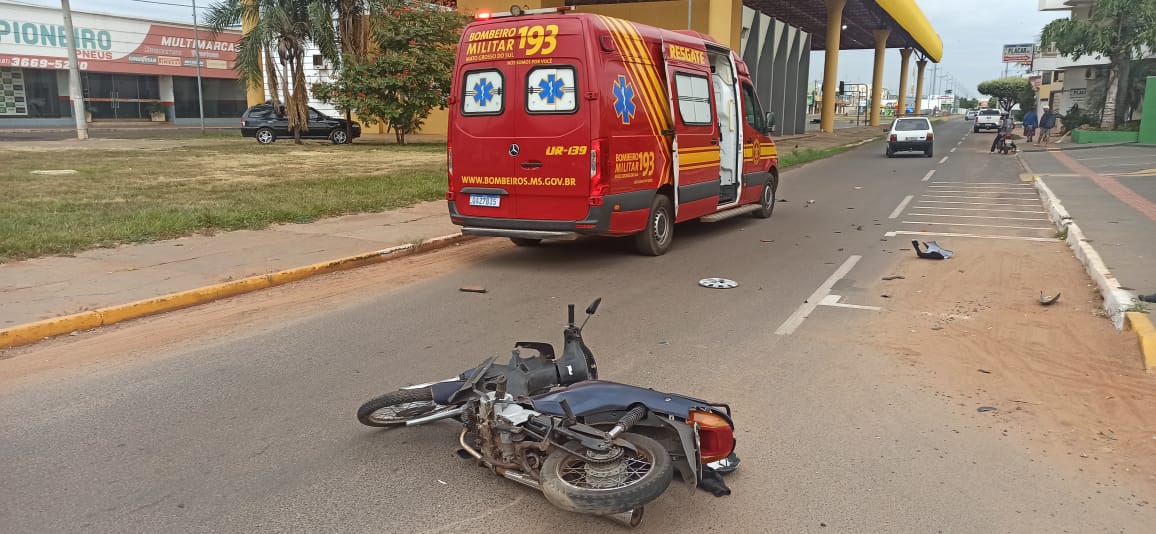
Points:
x=1047 y=122
x=1031 y=121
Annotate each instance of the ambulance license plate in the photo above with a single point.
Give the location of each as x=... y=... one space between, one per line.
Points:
x=489 y=201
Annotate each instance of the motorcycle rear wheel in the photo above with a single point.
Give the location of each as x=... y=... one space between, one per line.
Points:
x=632 y=481
x=394 y=409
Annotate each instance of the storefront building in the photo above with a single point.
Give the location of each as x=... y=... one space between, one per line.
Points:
x=131 y=69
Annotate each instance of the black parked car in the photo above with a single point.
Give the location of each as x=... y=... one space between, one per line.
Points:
x=261 y=123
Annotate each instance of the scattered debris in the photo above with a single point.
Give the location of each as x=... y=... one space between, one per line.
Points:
x=809 y=202
x=718 y=283
x=934 y=252
x=984 y=371
x=859 y=228
x=937 y=328
x=442 y=482
x=896 y=277
x=783 y=200
x=1148 y=298
x=886 y=296
x=1048 y=301
x=986 y=409
x=767 y=240
x=664 y=343
x=472 y=289
x=1033 y=403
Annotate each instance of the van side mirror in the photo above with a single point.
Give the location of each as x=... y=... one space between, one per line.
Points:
x=769 y=122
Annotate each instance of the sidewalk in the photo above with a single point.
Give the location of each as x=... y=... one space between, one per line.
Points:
x=51 y=287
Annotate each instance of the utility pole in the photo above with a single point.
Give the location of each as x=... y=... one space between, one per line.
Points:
x=197 y=51
x=75 y=92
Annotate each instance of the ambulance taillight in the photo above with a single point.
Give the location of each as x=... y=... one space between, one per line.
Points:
x=599 y=185
x=450 y=171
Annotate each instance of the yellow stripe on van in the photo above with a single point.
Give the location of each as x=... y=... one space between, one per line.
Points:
x=695 y=158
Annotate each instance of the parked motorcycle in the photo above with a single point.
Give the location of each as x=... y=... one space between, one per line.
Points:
x=590 y=446
x=1006 y=144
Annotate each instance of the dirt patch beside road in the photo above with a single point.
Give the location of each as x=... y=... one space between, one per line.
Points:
x=1059 y=376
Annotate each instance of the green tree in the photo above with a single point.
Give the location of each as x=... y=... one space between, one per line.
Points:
x=408 y=75
x=288 y=27
x=1009 y=91
x=1121 y=31
x=968 y=103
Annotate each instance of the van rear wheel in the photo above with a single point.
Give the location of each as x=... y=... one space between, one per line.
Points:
x=526 y=242
x=767 y=200
x=655 y=239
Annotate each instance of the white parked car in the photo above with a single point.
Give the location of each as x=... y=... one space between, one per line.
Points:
x=911 y=134
x=970 y=115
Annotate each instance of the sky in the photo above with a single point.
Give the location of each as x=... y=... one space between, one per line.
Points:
x=973 y=36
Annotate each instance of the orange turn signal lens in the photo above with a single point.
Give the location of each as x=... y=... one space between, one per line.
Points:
x=715 y=435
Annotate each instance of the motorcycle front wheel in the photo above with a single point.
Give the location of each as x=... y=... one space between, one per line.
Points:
x=604 y=483
x=394 y=409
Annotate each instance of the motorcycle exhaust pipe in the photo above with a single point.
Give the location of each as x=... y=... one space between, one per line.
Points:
x=629 y=518
x=436 y=417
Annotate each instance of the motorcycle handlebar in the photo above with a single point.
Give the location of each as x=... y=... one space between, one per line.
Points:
x=570 y=314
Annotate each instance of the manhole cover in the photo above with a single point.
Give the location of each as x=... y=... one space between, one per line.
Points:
x=718 y=283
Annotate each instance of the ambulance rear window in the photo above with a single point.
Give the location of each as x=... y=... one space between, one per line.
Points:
x=484 y=92
x=552 y=89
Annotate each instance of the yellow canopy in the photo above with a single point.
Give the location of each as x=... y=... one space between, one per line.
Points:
x=909 y=17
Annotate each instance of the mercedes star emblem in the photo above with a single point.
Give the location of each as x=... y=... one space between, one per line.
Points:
x=515 y=150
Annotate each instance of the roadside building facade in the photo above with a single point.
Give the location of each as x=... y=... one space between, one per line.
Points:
x=130 y=68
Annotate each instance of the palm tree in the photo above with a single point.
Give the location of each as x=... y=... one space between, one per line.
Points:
x=287 y=27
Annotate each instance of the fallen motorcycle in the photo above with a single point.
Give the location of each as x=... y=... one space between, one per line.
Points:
x=590 y=446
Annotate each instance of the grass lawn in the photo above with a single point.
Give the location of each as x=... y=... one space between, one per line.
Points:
x=807 y=155
x=144 y=190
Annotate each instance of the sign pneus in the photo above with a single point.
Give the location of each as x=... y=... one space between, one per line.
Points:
x=564 y=125
x=32 y=37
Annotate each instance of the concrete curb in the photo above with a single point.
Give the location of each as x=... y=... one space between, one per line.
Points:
x=1089 y=146
x=32 y=332
x=1116 y=299
x=1139 y=323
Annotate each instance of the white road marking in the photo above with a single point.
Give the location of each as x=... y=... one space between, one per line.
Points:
x=1029 y=205
x=952 y=149
x=928 y=175
x=973 y=198
x=899 y=208
x=833 y=300
x=812 y=302
x=982 y=187
x=944 y=159
x=978 y=217
x=974 y=183
x=950 y=234
x=975 y=209
x=978 y=192
x=975 y=225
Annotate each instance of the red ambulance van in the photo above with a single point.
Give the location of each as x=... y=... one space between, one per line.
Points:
x=564 y=124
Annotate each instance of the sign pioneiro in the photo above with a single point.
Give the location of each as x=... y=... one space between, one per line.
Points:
x=34 y=37
x=1019 y=53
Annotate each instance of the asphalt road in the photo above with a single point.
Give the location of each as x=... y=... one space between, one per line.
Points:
x=253 y=430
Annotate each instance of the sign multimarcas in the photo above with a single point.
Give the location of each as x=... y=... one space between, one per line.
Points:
x=34 y=37
x=1018 y=53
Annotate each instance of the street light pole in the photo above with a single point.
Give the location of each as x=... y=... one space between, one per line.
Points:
x=75 y=91
x=197 y=51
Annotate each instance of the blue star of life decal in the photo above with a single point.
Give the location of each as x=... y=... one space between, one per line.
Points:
x=483 y=92
x=624 y=106
x=551 y=88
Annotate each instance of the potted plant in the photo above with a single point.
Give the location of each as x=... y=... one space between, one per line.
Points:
x=156 y=111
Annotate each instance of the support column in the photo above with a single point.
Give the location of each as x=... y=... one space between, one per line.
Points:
x=901 y=104
x=921 y=64
x=168 y=98
x=254 y=92
x=877 y=77
x=725 y=19
x=831 y=63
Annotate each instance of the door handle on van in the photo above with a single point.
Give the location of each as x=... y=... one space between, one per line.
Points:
x=531 y=164
x=714 y=141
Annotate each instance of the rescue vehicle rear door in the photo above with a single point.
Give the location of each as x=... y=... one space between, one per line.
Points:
x=696 y=136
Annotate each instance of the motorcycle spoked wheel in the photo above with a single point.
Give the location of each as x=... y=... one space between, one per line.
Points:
x=607 y=483
x=394 y=409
